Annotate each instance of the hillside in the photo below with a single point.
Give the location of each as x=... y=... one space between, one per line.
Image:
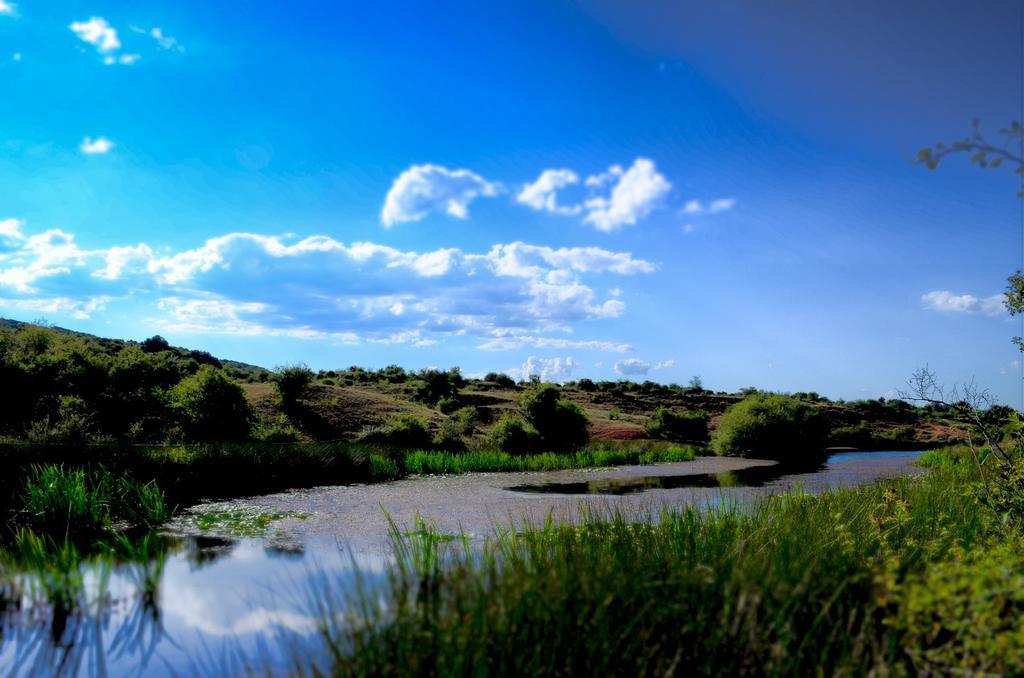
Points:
x=81 y=387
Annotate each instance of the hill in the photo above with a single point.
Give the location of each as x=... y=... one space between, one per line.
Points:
x=67 y=386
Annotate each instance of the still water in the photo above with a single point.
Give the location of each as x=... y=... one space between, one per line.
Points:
x=237 y=586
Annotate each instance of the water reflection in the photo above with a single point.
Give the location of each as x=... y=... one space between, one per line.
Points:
x=753 y=476
x=217 y=604
x=184 y=605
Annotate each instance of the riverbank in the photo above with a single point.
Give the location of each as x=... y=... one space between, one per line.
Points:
x=361 y=516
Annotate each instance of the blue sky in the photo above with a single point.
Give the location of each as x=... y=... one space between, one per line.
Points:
x=656 y=190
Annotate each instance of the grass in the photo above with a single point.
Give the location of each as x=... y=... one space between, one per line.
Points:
x=85 y=499
x=841 y=583
x=422 y=462
x=145 y=481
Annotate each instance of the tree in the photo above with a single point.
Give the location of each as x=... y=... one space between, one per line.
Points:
x=155 y=344
x=212 y=407
x=561 y=425
x=988 y=155
x=772 y=426
x=292 y=382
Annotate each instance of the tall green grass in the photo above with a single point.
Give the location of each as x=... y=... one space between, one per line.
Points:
x=421 y=462
x=796 y=585
x=89 y=499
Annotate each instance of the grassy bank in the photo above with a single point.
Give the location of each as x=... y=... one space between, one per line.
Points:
x=82 y=484
x=907 y=576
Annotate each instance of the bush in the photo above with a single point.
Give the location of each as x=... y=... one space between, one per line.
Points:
x=511 y=435
x=561 y=425
x=404 y=431
x=500 y=379
x=772 y=426
x=155 y=344
x=966 y=615
x=679 y=426
x=292 y=382
x=435 y=385
x=211 y=407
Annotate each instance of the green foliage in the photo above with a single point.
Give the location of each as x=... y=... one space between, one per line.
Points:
x=435 y=384
x=966 y=615
x=383 y=468
x=791 y=585
x=292 y=382
x=500 y=379
x=404 y=431
x=211 y=407
x=59 y=498
x=771 y=426
x=513 y=436
x=422 y=462
x=561 y=425
x=679 y=426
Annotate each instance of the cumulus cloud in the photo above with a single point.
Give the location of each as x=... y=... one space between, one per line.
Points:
x=79 y=309
x=96 y=146
x=423 y=189
x=243 y=283
x=635 y=366
x=10 y=233
x=714 y=207
x=635 y=193
x=942 y=300
x=98 y=33
x=542 y=194
x=548 y=369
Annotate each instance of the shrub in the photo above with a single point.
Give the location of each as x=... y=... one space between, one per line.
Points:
x=679 y=426
x=211 y=407
x=403 y=431
x=500 y=379
x=435 y=384
x=773 y=426
x=511 y=435
x=561 y=425
x=586 y=384
x=966 y=615
x=155 y=344
x=292 y=382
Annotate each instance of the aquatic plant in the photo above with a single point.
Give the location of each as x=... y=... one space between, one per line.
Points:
x=795 y=584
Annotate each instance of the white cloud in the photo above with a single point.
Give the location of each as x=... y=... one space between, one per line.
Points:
x=423 y=189
x=7 y=7
x=714 y=207
x=10 y=231
x=543 y=193
x=942 y=300
x=96 y=146
x=506 y=343
x=124 y=59
x=317 y=286
x=637 y=191
x=635 y=366
x=632 y=366
x=79 y=309
x=98 y=33
x=165 y=41
x=548 y=369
